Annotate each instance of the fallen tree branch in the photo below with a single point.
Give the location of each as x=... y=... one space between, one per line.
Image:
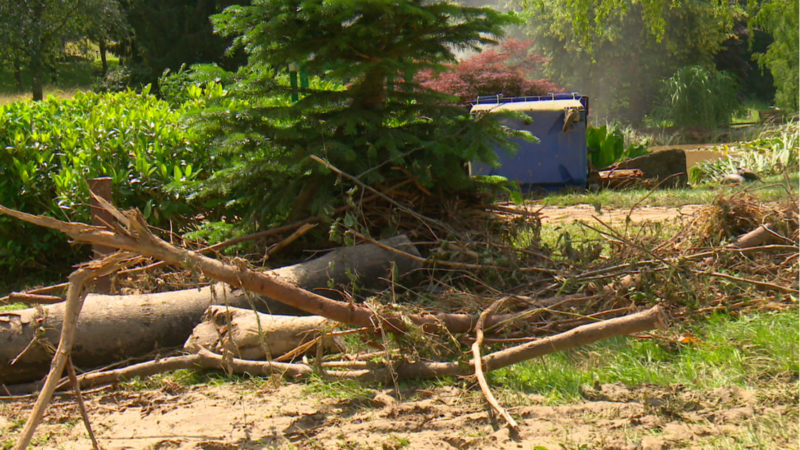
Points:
x=75 y=296
x=477 y=362
x=132 y=234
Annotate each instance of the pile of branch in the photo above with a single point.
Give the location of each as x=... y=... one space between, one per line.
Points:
x=545 y=300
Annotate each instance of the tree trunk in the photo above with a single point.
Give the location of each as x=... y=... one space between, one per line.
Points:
x=103 y=49
x=36 y=77
x=113 y=328
x=245 y=334
x=18 y=76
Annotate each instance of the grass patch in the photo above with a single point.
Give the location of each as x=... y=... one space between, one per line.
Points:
x=747 y=351
x=338 y=389
x=72 y=76
x=770 y=189
x=13 y=307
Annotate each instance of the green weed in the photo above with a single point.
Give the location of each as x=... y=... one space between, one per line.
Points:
x=339 y=389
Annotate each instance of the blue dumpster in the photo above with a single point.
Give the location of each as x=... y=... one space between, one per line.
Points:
x=559 y=159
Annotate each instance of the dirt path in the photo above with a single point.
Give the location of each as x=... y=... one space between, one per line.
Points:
x=244 y=415
x=568 y=214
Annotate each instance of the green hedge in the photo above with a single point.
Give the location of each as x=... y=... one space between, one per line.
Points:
x=49 y=149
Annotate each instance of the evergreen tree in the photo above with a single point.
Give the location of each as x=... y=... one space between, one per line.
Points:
x=355 y=103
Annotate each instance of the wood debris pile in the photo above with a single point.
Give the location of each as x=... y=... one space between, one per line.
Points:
x=463 y=283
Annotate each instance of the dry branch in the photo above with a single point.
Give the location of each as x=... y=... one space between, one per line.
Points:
x=132 y=234
x=477 y=362
x=75 y=296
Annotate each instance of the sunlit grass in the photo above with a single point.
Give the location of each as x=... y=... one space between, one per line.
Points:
x=749 y=351
x=769 y=189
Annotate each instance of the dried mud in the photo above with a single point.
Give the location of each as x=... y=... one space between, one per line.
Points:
x=244 y=415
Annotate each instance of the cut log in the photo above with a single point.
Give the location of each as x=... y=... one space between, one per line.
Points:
x=251 y=335
x=113 y=328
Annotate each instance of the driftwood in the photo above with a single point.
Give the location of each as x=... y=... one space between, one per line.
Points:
x=250 y=335
x=114 y=328
x=583 y=335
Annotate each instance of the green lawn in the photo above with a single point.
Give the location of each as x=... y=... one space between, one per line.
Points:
x=748 y=351
x=769 y=189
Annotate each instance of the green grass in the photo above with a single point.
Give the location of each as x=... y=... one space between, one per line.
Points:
x=748 y=351
x=770 y=189
x=13 y=307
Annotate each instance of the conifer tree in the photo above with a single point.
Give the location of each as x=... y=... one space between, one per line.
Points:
x=336 y=79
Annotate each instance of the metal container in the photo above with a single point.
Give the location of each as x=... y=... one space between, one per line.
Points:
x=559 y=159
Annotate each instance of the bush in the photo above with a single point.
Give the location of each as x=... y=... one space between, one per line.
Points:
x=696 y=96
x=606 y=145
x=50 y=149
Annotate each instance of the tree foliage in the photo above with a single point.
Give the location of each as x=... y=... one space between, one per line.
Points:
x=33 y=32
x=698 y=96
x=510 y=69
x=169 y=33
x=779 y=18
x=360 y=108
x=617 y=51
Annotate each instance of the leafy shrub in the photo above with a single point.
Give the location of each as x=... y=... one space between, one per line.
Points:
x=696 y=96
x=121 y=79
x=774 y=152
x=49 y=149
x=509 y=70
x=606 y=146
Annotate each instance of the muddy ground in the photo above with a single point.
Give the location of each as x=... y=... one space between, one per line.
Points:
x=246 y=415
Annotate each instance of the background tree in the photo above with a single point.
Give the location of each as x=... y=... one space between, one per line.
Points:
x=511 y=69
x=779 y=18
x=360 y=109
x=166 y=34
x=618 y=51
x=33 y=32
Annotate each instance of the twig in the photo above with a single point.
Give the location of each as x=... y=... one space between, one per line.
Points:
x=81 y=406
x=513 y=426
x=424 y=219
x=763 y=284
x=41 y=290
x=453 y=264
x=32 y=299
x=305 y=228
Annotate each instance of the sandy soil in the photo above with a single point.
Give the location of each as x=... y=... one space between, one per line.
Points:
x=244 y=415
x=568 y=214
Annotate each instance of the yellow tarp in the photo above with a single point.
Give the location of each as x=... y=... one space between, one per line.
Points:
x=543 y=105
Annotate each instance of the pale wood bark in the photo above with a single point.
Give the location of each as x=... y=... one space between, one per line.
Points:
x=117 y=327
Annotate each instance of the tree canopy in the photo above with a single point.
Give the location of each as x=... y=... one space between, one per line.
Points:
x=618 y=51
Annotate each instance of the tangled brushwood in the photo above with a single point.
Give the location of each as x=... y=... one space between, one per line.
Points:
x=484 y=276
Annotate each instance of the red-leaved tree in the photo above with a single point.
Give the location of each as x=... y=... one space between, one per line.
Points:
x=510 y=69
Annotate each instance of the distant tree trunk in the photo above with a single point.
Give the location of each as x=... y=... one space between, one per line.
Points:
x=18 y=75
x=36 y=76
x=103 y=49
x=37 y=63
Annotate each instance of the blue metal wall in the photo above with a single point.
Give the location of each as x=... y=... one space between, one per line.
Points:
x=559 y=158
